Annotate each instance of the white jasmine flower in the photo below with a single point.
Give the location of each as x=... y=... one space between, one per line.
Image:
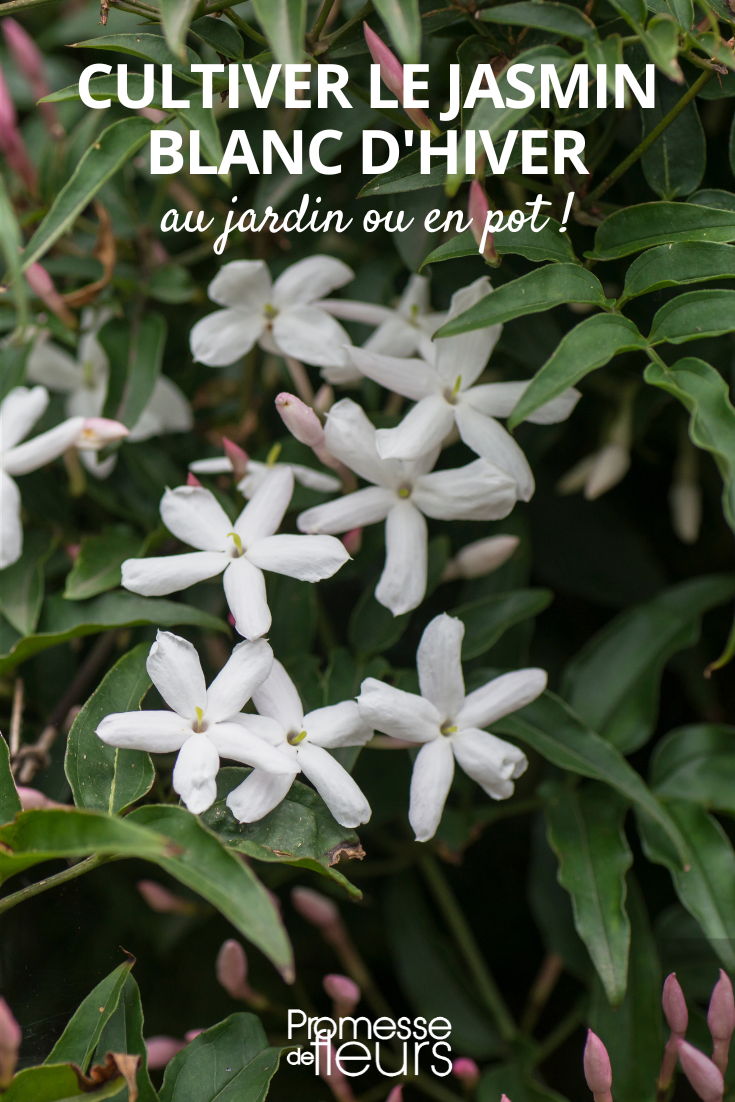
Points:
x=402 y=494
x=18 y=414
x=257 y=472
x=441 y=384
x=85 y=381
x=243 y=550
x=201 y=723
x=283 y=317
x=477 y=559
x=399 y=330
x=304 y=741
x=449 y=724
x=599 y=472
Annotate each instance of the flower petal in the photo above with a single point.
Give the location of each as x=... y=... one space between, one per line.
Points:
x=52 y=367
x=246 y=669
x=315 y=480
x=218 y=464
x=421 y=430
x=170 y=573
x=267 y=507
x=489 y=439
x=350 y=436
x=245 y=592
x=244 y=283
x=40 y=450
x=87 y=401
x=99 y=468
x=500 y=399
x=195 y=773
x=369 y=313
x=174 y=668
x=413 y=379
x=439 y=661
x=20 y=410
x=397 y=713
x=158 y=732
x=355 y=510
x=337 y=725
x=225 y=336
x=501 y=696
x=258 y=794
x=278 y=699
x=479 y=491
x=309 y=334
x=467 y=354
x=416 y=297
x=310 y=279
x=334 y=784
x=402 y=584
x=308 y=558
x=431 y=780
x=395 y=337
x=11 y=528
x=490 y=761
x=168 y=410
x=235 y=741
x=264 y=727
x=194 y=516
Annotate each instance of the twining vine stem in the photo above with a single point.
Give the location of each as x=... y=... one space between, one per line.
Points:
x=55 y=881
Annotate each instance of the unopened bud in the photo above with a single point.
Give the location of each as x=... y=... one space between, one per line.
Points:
x=674 y=1005
x=191 y=1034
x=344 y=993
x=163 y=901
x=232 y=969
x=162 y=1049
x=391 y=73
x=396 y=1095
x=42 y=285
x=685 y=503
x=597 y=1070
x=300 y=420
x=33 y=800
x=237 y=457
x=316 y=908
x=30 y=62
x=721 y=1020
x=97 y=432
x=72 y=550
x=704 y=1076
x=192 y=480
x=480 y=558
x=610 y=467
x=352 y=540
x=466 y=1071
x=10 y=1040
x=478 y=209
x=12 y=145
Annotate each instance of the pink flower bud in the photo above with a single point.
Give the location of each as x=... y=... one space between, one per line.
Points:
x=597 y=1070
x=232 y=969
x=191 y=1034
x=42 y=285
x=478 y=210
x=316 y=908
x=480 y=558
x=161 y=1050
x=230 y=619
x=466 y=1071
x=12 y=145
x=674 y=1004
x=237 y=457
x=98 y=431
x=29 y=61
x=721 y=1020
x=396 y=1095
x=704 y=1076
x=391 y=73
x=10 y=1040
x=163 y=901
x=352 y=540
x=31 y=799
x=331 y=1074
x=300 y=420
x=344 y=993
x=72 y=550
x=504 y=1098
x=192 y=480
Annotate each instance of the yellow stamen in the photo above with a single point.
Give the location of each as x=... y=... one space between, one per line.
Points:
x=404 y=492
x=200 y=717
x=88 y=373
x=238 y=541
x=272 y=457
x=296 y=739
x=457 y=385
x=445 y=730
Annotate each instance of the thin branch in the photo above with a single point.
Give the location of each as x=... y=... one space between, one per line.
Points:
x=649 y=139
x=18 y=5
x=64 y=877
x=245 y=27
x=300 y=380
x=545 y=982
x=16 y=717
x=321 y=19
x=363 y=13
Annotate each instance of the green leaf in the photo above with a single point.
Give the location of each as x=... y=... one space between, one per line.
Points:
x=283 y=23
x=539 y=290
x=123 y=1032
x=22 y=584
x=294 y=608
x=551 y=905
x=590 y=345
x=63 y=620
x=81 y=1036
x=115 y=337
x=684 y=12
x=105 y=778
x=614 y=682
x=674 y=165
x=301 y=831
x=489 y=618
x=97 y=566
x=671 y=265
x=176 y=16
x=220 y=35
x=115 y=145
x=10 y=804
x=145 y=366
x=546 y=15
x=149 y=47
x=706 y=883
x=13 y=360
x=632 y=1033
x=713 y=197
x=704 y=393
x=661 y=40
x=548 y=244
x=37 y=836
x=551 y=728
x=635 y=228
x=403 y=20
x=11 y=243
x=221 y=878
x=586 y=831
x=373 y=627
x=56 y=1083
x=696 y=763
x=230 y=1061
x=633 y=11
x=694 y=315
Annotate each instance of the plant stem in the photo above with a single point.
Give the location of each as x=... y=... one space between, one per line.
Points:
x=649 y=139
x=321 y=19
x=363 y=13
x=244 y=27
x=465 y=939
x=64 y=877
x=18 y=5
x=545 y=982
x=559 y=1035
